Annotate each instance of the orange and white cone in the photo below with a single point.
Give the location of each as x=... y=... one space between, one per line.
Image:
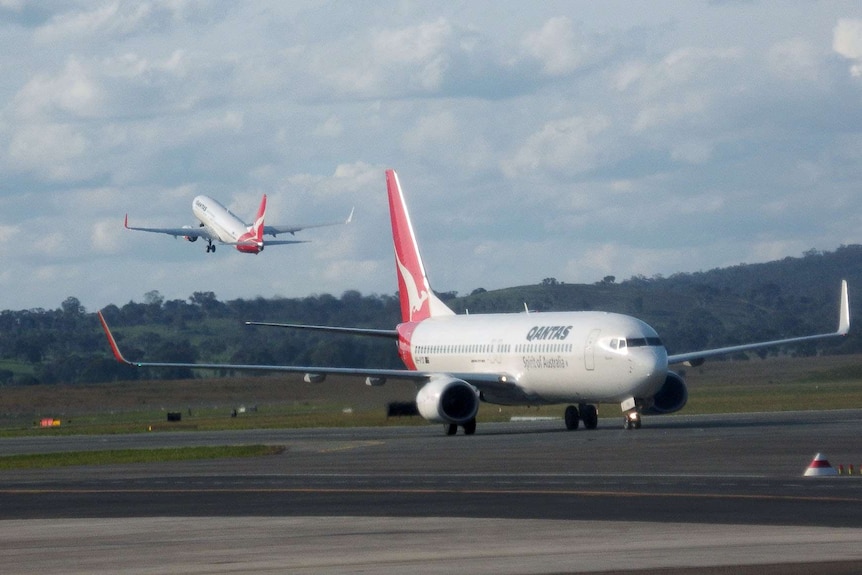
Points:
x=820 y=467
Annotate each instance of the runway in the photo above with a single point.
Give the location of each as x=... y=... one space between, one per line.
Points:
x=683 y=492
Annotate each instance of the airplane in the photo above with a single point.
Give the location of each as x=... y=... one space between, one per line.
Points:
x=457 y=362
x=218 y=224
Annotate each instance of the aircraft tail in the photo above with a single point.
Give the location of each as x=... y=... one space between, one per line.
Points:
x=257 y=227
x=418 y=301
x=251 y=242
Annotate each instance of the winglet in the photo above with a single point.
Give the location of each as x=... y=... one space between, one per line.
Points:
x=844 y=314
x=112 y=342
x=350 y=217
x=126 y=222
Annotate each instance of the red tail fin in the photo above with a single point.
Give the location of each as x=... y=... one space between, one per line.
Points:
x=257 y=226
x=251 y=242
x=418 y=301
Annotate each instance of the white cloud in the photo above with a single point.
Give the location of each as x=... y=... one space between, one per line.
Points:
x=795 y=59
x=661 y=112
x=692 y=152
x=682 y=68
x=680 y=137
x=330 y=128
x=72 y=92
x=53 y=150
x=106 y=20
x=570 y=146
x=438 y=128
x=413 y=58
x=556 y=46
x=847 y=41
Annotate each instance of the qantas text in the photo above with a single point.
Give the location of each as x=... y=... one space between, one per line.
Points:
x=546 y=332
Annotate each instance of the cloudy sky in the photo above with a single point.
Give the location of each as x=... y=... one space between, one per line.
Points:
x=572 y=140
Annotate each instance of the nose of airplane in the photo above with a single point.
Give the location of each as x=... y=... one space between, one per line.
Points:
x=650 y=364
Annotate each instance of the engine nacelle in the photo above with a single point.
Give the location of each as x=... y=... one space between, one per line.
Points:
x=448 y=400
x=672 y=396
x=189 y=238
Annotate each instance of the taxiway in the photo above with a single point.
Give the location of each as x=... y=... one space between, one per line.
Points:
x=684 y=492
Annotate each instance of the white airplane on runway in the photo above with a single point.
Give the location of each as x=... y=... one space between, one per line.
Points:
x=459 y=361
x=220 y=225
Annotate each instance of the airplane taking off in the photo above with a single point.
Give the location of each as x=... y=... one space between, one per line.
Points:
x=220 y=225
x=457 y=362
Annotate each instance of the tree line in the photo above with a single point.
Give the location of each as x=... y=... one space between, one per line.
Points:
x=714 y=308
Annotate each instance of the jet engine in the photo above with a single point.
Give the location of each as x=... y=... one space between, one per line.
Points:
x=671 y=397
x=190 y=238
x=448 y=400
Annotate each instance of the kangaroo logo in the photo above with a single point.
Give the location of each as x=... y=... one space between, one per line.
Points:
x=417 y=300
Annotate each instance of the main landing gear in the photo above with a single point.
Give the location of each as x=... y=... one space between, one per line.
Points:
x=210 y=246
x=584 y=412
x=452 y=428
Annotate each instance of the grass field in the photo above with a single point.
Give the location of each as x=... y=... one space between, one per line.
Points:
x=120 y=456
x=774 y=384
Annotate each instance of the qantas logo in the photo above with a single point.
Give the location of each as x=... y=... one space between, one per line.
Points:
x=416 y=299
x=548 y=332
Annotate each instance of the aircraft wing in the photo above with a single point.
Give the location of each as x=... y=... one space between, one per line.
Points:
x=275 y=230
x=697 y=357
x=500 y=386
x=189 y=232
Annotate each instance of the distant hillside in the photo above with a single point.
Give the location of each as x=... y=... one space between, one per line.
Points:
x=708 y=309
x=793 y=296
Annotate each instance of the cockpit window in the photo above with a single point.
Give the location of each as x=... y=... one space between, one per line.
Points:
x=643 y=342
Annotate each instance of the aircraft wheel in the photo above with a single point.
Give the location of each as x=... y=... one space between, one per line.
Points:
x=470 y=427
x=590 y=415
x=572 y=418
x=450 y=428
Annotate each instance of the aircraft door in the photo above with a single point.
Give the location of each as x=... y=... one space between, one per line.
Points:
x=589 y=350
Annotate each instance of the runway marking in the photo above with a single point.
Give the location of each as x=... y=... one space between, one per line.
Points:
x=428 y=491
x=352 y=445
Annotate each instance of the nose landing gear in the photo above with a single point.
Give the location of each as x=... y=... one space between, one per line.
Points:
x=632 y=420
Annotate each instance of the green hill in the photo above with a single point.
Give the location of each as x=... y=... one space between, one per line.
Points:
x=793 y=296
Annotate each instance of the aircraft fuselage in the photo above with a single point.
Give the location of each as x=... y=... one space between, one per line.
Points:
x=218 y=219
x=579 y=357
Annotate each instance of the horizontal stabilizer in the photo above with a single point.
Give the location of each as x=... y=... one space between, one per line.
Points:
x=388 y=333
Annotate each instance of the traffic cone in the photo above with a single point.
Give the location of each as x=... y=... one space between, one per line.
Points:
x=820 y=467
